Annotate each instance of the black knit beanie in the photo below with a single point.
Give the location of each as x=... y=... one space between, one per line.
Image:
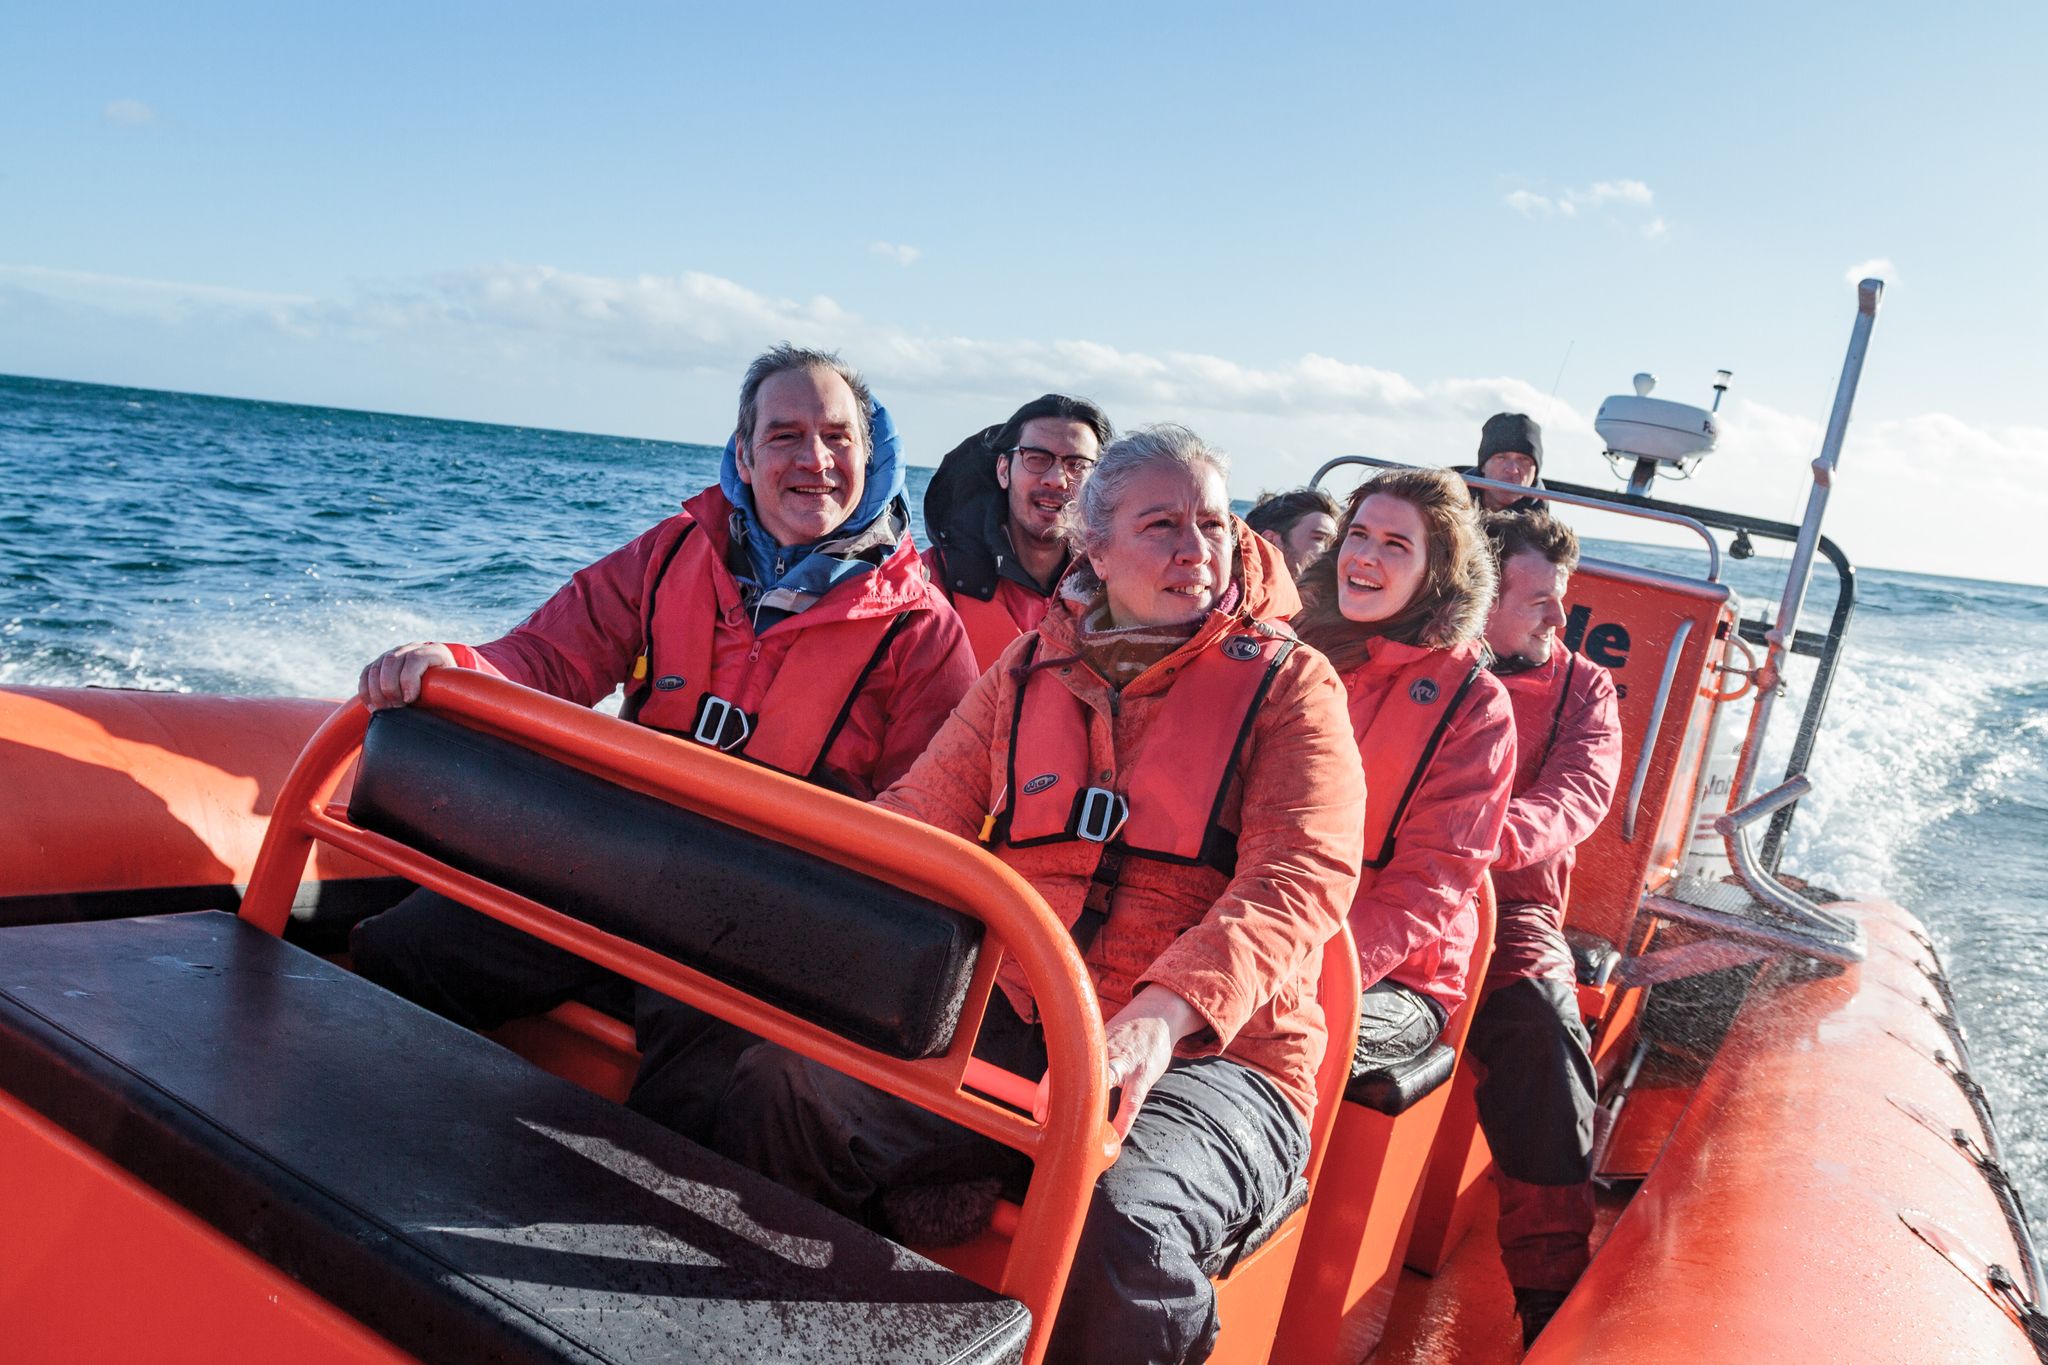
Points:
x=1511 y=431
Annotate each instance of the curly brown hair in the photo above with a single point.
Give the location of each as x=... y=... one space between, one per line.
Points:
x=1457 y=586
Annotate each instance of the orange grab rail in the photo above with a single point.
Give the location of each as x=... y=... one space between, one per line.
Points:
x=1069 y=1148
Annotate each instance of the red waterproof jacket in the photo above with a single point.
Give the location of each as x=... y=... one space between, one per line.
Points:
x=1245 y=948
x=1416 y=918
x=1568 y=744
x=584 y=641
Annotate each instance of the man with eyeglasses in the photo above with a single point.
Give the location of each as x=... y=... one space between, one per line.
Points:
x=993 y=513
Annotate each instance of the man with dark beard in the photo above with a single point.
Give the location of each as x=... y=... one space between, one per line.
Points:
x=993 y=510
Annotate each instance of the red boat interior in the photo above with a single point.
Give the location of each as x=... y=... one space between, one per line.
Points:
x=305 y=1167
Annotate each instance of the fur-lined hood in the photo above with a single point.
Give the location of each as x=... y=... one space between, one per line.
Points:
x=1456 y=617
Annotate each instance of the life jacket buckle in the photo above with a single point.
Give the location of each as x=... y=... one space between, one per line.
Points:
x=1099 y=815
x=720 y=724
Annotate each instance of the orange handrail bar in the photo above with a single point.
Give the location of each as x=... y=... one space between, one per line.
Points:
x=1070 y=1147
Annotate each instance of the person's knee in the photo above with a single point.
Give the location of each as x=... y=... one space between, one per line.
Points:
x=772 y=1090
x=382 y=949
x=1395 y=1025
x=1134 y=1293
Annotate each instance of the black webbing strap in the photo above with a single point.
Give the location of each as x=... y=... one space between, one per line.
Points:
x=895 y=629
x=638 y=688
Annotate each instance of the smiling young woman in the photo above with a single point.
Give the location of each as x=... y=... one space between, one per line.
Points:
x=1399 y=604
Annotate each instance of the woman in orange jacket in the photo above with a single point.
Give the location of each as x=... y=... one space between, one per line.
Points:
x=1175 y=774
x=1399 y=605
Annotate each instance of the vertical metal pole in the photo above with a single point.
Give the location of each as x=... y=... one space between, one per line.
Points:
x=1770 y=678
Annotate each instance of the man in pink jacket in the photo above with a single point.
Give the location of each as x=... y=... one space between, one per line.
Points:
x=1537 y=1086
x=783 y=615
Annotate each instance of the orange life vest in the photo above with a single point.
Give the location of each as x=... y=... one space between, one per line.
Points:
x=784 y=720
x=1171 y=805
x=1403 y=739
x=990 y=627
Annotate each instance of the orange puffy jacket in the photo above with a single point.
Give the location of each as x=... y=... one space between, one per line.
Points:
x=1243 y=948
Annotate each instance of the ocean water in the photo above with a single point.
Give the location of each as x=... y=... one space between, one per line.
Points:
x=163 y=540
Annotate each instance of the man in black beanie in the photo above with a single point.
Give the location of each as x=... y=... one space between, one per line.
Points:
x=1510 y=451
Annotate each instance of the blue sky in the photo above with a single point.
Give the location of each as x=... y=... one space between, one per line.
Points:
x=1306 y=232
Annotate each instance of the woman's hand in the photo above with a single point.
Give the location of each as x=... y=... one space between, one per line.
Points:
x=1139 y=1047
x=393 y=677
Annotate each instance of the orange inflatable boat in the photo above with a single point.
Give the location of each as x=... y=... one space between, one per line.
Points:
x=218 y=1144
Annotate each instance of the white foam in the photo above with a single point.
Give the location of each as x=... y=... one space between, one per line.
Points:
x=1910 y=739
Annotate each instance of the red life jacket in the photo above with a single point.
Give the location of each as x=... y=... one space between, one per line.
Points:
x=1402 y=741
x=1171 y=806
x=785 y=719
x=990 y=627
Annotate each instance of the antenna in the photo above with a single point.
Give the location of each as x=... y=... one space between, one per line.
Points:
x=1721 y=378
x=1560 y=367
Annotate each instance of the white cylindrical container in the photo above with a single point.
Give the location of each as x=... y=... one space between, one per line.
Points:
x=1706 y=853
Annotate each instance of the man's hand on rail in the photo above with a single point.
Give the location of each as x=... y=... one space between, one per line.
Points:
x=393 y=677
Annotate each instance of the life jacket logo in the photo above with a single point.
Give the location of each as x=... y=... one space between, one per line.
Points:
x=1040 y=783
x=1423 y=690
x=1241 y=647
x=668 y=682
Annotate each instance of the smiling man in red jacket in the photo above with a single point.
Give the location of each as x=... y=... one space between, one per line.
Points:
x=1537 y=1087
x=783 y=616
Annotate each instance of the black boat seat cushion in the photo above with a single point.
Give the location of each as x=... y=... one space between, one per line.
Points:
x=447 y=1194
x=1394 y=1089
x=878 y=965
x=1594 y=959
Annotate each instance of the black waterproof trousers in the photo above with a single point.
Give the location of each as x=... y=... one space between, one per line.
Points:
x=1214 y=1149
x=480 y=972
x=1535 y=1097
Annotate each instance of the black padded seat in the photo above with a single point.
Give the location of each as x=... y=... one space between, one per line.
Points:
x=459 y=1201
x=879 y=965
x=1594 y=959
x=1394 y=1089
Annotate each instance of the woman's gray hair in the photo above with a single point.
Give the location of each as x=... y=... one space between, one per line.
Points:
x=1085 y=523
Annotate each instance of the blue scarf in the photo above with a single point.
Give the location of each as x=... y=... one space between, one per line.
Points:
x=810 y=570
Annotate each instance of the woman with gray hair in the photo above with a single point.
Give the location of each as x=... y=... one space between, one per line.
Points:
x=1175 y=774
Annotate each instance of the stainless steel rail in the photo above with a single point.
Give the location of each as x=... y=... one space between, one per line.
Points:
x=1742 y=929
x=1732 y=826
x=1803 y=913
x=1649 y=745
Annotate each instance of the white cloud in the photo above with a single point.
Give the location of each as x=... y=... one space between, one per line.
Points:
x=128 y=113
x=485 y=338
x=1531 y=205
x=1601 y=194
x=1615 y=192
x=1656 y=228
x=896 y=251
x=1879 y=266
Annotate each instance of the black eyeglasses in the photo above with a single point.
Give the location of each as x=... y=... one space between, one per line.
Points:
x=1040 y=461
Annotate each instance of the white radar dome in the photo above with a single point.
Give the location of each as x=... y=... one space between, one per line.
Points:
x=1637 y=426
